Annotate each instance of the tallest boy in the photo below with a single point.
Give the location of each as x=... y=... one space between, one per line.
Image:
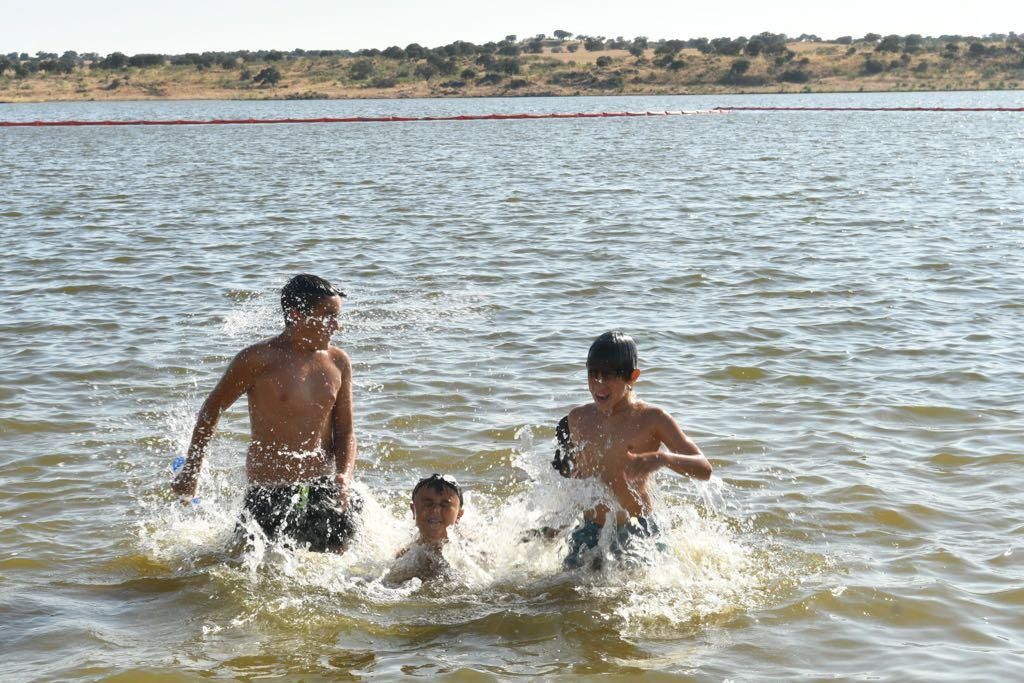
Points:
x=303 y=448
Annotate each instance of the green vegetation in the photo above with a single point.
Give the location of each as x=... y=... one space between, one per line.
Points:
x=537 y=65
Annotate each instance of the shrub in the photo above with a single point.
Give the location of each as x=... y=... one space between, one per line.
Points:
x=468 y=74
x=425 y=71
x=144 y=60
x=361 y=70
x=891 y=43
x=453 y=84
x=604 y=61
x=613 y=82
x=508 y=66
x=873 y=66
x=383 y=83
x=794 y=76
x=115 y=60
x=490 y=79
x=739 y=66
x=517 y=83
x=268 y=76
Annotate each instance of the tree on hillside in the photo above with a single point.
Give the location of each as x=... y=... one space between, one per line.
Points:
x=361 y=70
x=268 y=76
x=562 y=35
x=415 y=51
x=115 y=60
x=891 y=43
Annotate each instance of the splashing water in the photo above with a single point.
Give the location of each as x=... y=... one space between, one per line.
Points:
x=704 y=564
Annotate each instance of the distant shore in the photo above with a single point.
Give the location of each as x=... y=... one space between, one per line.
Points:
x=550 y=68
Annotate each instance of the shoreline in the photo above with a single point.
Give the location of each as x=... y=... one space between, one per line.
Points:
x=505 y=95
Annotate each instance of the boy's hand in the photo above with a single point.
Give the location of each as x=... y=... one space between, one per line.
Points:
x=343 y=491
x=184 y=485
x=642 y=464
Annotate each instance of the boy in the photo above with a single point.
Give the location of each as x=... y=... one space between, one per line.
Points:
x=617 y=439
x=302 y=450
x=436 y=505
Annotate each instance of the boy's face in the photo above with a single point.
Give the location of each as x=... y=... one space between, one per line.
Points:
x=435 y=511
x=322 y=319
x=610 y=389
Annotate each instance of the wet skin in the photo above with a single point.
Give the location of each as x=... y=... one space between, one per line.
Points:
x=299 y=391
x=434 y=512
x=618 y=438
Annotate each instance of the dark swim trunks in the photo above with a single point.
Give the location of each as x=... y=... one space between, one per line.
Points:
x=306 y=514
x=627 y=543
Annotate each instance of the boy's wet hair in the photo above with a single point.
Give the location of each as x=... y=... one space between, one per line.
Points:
x=439 y=483
x=304 y=291
x=613 y=353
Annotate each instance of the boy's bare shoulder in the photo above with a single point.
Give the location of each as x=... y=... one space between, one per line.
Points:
x=649 y=411
x=340 y=358
x=259 y=354
x=583 y=411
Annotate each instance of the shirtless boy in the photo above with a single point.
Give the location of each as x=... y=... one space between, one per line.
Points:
x=436 y=506
x=303 y=449
x=617 y=439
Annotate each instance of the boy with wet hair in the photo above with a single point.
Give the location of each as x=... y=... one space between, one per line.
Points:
x=618 y=440
x=437 y=504
x=302 y=451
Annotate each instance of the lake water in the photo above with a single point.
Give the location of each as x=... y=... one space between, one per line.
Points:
x=829 y=303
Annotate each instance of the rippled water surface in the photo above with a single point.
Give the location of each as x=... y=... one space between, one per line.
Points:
x=829 y=303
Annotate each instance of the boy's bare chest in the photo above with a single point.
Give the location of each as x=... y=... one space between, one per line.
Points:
x=604 y=447
x=300 y=384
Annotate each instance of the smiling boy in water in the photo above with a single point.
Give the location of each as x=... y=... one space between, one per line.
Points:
x=618 y=440
x=302 y=450
x=436 y=506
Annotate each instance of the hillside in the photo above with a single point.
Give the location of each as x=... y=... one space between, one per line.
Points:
x=766 y=63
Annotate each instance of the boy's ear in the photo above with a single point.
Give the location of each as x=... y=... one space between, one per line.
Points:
x=460 y=514
x=412 y=506
x=634 y=376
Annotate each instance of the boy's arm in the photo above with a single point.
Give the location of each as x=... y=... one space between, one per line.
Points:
x=236 y=381
x=683 y=455
x=343 y=441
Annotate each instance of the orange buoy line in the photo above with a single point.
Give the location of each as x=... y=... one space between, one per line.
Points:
x=356 y=119
x=1018 y=109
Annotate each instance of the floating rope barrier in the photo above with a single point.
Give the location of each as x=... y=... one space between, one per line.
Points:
x=1018 y=109
x=481 y=117
x=359 y=119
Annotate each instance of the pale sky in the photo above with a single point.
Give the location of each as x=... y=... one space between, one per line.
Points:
x=178 y=26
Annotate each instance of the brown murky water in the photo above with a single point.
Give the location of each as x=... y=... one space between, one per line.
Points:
x=830 y=304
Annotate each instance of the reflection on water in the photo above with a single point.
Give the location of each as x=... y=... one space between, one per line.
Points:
x=828 y=303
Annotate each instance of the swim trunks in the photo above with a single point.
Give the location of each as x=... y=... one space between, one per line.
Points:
x=627 y=543
x=306 y=514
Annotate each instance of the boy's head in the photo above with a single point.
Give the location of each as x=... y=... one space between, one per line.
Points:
x=612 y=354
x=308 y=296
x=436 y=505
x=612 y=368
